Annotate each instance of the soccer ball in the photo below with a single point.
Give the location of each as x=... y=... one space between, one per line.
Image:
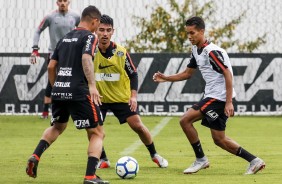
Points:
x=127 y=167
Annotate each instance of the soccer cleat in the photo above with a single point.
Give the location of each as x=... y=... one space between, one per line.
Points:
x=199 y=164
x=255 y=165
x=44 y=115
x=95 y=180
x=160 y=161
x=31 y=168
x=103 y=164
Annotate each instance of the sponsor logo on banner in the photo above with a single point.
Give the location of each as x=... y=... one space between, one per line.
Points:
x=257 y=82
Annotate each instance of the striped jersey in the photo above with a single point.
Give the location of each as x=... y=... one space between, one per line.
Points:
x=59 y=25
x=211 y=61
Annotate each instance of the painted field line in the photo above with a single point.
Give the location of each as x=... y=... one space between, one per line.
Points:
x=154 y=132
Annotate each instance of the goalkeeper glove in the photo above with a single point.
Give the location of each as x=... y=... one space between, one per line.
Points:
x=34 y=55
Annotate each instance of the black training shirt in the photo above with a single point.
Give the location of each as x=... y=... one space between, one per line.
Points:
x=71 y=83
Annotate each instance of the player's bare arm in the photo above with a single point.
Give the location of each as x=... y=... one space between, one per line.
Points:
x=186 y=74
x=229 y=109
x=133 y=101
x=88 y=70
x=52 y=71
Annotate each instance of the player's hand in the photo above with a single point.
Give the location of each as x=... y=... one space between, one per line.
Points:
x=159 y=77
x=133 y=104
x=94 y=94
x=34 y=57
x=229 y=109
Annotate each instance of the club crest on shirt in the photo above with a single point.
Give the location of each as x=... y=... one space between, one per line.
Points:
x=120 y=53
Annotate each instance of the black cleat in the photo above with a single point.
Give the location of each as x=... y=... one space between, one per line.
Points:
x=96 y=180
x=31 y=168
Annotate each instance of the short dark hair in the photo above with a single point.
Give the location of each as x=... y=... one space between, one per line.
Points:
x=90 y=12
x=196 y=21
x=106 y=19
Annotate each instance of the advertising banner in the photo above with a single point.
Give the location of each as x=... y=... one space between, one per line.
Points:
x=257 y=82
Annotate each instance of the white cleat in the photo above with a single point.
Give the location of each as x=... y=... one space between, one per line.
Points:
x=255 y=165
x=160 y=161
x=199 y=164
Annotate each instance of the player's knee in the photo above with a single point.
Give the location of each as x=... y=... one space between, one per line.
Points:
x=139 y=128
x=59 y=127
x=185 y=123
x=218 y=141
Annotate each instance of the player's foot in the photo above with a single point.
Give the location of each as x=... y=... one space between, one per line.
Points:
x=160 y=161
x=95 y=180
x=31 y=168
x=199 y=164
x=44 y=115
x=255 y=165
x=103 y=164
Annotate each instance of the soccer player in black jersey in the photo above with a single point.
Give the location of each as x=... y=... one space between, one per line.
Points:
x=117 y=82
x=71 y=74
x=216 y=106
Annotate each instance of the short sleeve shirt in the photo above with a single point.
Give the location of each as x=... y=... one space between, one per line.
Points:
x=71 y=83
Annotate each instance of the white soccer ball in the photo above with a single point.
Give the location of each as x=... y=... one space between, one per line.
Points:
x=127 y=167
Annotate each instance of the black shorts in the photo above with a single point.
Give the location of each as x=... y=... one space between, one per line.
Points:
x=120 y=110
x=213 y=111
x=85 y=114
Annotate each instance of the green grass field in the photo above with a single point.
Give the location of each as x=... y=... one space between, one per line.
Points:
x=65 y=161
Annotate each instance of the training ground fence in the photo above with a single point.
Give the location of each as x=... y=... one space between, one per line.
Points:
x=257 y=75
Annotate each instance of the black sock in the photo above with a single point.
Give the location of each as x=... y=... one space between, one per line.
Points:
x=103 y=154
x=46 y=107
x=245 y=154
x=197 y=147
x=41 y=147
x=151 y=148
x=91 y=166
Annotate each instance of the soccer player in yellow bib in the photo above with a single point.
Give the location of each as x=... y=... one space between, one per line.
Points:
x=117 y=82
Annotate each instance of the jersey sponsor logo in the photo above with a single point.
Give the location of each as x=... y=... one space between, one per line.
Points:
x=128 y=65
x=67 y=96
x=103 y=67
x=107 y=76
x=69 y=40
x=88 y=46
x=83 y=123
x=62 y=84
x=65 y=71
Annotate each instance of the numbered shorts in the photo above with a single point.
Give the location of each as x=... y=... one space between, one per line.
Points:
x=120 y=110
x=85 y=114
x=213 y=111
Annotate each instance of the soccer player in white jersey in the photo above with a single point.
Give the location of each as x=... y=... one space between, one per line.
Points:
x=59 y=22
x=216 y=106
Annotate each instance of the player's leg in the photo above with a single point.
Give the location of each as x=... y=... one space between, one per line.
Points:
x=135 y=123
x=186 y=123
x=221 y=140
x=104 y=161
x=60 y=118
x=87 y=115
x=47 y=98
